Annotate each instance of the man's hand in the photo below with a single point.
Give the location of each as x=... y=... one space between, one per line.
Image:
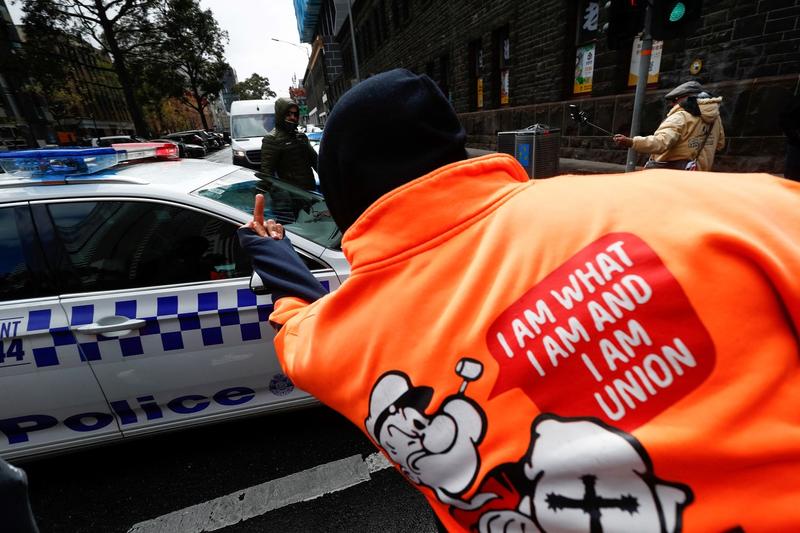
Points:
x=623 y=141
x=270 y=228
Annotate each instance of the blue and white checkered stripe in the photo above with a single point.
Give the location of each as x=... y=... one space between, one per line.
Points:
x=190 y=321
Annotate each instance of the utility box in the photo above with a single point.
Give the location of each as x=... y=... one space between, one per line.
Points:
x=535 y=147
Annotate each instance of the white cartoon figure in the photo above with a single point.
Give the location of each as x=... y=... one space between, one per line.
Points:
x=590 y=477
x=438 y=450
x=579 y=475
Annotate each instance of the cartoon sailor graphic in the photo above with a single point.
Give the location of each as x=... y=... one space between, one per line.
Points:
x=438 y=450
x=578 y=475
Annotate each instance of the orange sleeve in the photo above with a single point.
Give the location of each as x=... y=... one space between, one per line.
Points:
x=285 y=308
x=295 y=319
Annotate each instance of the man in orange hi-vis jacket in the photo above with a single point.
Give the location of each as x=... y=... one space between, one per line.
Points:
x=582 y=353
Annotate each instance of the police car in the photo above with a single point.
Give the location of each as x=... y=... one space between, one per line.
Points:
x=126 y=305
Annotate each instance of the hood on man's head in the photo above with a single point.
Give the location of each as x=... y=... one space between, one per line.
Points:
x=690 y=88
x=282 y=106
x=386 y=131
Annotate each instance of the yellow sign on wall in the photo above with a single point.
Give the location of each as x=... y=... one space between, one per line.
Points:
x=480 y=93
x=655 y=62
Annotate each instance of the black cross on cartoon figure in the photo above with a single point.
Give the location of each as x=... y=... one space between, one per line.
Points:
x=592 y=504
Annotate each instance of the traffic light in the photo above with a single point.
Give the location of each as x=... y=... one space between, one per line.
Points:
x=625 y=21
x=671 y=18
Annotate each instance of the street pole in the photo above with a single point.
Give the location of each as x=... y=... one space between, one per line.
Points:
x=641 y=84
x=353 y=38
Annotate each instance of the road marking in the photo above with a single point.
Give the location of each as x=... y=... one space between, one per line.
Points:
x=259 y=499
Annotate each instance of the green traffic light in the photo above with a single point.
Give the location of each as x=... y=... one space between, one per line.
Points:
x=677 y=13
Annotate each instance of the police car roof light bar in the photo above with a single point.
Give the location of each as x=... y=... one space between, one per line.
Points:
x=59 y=163
x=135 y=151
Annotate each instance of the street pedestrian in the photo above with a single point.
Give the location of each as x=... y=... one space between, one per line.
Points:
x=689 y=137
x=582 y=353
x=286 y=152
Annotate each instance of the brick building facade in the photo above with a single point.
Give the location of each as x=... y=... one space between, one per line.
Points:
x=508 y=64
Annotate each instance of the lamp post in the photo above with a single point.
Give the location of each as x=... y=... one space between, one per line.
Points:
x=308 y=54
x=353 y=38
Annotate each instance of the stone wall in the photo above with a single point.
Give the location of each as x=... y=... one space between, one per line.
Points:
x=749 y=49
x=749 y=113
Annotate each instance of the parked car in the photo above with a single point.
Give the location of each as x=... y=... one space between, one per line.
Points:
x=185 y=149
x=116 y=139
x=126 y=307
x=188 y=138
x=211 y=141
x=218 y=136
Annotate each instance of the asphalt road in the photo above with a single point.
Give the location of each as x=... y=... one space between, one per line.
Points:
x=223 y=155
x=286 y=468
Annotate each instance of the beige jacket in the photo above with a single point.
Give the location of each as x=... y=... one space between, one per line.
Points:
x=681 y=135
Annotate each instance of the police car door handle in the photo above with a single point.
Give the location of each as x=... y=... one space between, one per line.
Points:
x=109 y=324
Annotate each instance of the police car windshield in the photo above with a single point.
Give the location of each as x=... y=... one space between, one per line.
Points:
x=251 y=125
x=301 y=212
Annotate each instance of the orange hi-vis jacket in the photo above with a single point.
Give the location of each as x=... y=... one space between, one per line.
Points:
x=582 y=353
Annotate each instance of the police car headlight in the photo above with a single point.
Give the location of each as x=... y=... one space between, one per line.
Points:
x=238 y=153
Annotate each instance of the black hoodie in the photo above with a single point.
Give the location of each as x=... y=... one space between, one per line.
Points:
x=287 y=152
x=386 y=131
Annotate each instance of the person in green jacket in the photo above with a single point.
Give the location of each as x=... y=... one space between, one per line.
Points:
x=286 y=153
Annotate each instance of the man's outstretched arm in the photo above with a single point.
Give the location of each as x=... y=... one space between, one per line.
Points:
x=274 y=259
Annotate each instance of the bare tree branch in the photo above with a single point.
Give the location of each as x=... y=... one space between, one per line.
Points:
x=77 y=15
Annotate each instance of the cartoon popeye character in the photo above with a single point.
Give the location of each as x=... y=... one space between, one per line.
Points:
x=578 y=475
x=438 y=450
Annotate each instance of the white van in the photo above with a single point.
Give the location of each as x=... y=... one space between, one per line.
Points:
x=250 y=121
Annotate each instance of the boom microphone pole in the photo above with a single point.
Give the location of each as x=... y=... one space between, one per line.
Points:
x=580 y=117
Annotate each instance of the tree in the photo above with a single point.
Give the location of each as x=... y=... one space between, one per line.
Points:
x=121 y=28
x=47 y=79
x=157 y=84
x=193 y=47
x=66 y=75
x=254 y=88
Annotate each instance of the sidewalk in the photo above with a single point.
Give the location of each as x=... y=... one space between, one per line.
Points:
x=569 y=166
x=580 y=166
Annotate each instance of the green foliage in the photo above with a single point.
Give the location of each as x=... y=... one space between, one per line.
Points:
x=254 y=88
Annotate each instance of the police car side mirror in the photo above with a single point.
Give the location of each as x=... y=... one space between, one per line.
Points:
x=256 y=285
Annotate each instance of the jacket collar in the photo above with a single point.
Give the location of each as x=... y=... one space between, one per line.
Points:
x=421 y=211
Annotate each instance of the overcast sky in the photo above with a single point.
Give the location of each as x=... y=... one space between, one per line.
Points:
x=251 y=25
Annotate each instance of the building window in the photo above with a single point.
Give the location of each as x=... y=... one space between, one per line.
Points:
x=501 y=55
x=475 y=64
x=586 y=45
